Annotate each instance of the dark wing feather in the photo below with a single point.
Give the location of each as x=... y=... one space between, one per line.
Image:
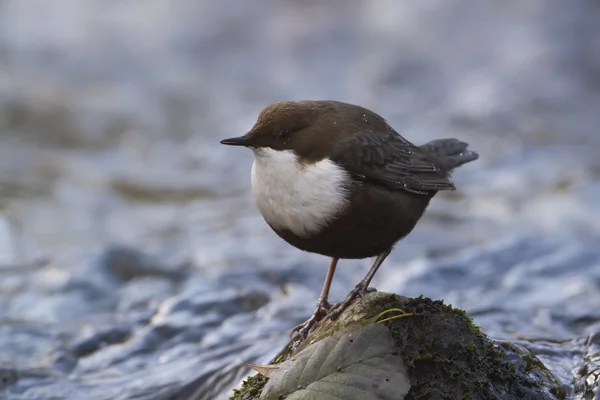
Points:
x=388 y=159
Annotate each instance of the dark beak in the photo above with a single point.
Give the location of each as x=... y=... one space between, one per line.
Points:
x=238 y=141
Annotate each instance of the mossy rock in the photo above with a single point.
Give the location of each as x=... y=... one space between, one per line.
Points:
x=445 y=355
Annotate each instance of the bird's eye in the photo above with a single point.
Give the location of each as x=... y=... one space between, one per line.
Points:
x=284 y=134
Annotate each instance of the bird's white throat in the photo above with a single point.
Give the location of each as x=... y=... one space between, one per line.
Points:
x=301 y=198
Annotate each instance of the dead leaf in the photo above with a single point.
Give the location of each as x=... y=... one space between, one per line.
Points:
x=359 y=363
x=263 y=369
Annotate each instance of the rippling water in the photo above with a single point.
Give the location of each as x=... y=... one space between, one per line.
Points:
x=133 y=263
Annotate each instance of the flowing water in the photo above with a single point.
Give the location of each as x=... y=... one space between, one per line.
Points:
x=133 y=263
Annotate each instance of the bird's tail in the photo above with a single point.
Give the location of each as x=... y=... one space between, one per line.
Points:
x=449 y=153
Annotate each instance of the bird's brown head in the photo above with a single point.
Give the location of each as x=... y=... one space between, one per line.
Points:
x=308 y=128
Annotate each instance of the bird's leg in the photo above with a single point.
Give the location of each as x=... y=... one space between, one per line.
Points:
x=360 y=289
x=322 y=305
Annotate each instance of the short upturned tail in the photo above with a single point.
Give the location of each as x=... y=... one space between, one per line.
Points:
x=449 y=153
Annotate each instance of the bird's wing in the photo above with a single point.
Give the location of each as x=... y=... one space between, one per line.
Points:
x=386 y=158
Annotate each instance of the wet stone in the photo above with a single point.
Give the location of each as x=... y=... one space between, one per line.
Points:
x=438 y=353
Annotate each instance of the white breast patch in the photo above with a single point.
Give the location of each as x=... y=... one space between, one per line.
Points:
x=300 y=198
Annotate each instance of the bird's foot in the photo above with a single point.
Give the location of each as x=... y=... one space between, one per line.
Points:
x=360 y=290
x=307 y=326
x=363 y=293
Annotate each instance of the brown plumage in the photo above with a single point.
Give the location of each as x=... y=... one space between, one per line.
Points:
x=374 y=184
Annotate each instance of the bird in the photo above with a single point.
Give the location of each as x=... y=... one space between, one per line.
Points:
x=335 y=179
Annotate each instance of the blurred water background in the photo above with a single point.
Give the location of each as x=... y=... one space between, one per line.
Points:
x=133 y=263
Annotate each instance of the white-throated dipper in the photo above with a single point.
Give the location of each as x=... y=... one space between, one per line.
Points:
x=335 y=179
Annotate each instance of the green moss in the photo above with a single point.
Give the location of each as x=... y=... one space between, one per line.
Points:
x=441 y=346
x=251 y=388
x=446 y=355
x=531 y=363
x=558 y=392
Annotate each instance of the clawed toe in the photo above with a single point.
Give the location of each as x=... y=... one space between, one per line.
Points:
x=304 y=328
x=326 y=310
x=362 y=291
x=337 y=309
x=307 y=326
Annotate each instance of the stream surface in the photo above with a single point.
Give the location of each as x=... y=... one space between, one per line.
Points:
x=133 y=262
